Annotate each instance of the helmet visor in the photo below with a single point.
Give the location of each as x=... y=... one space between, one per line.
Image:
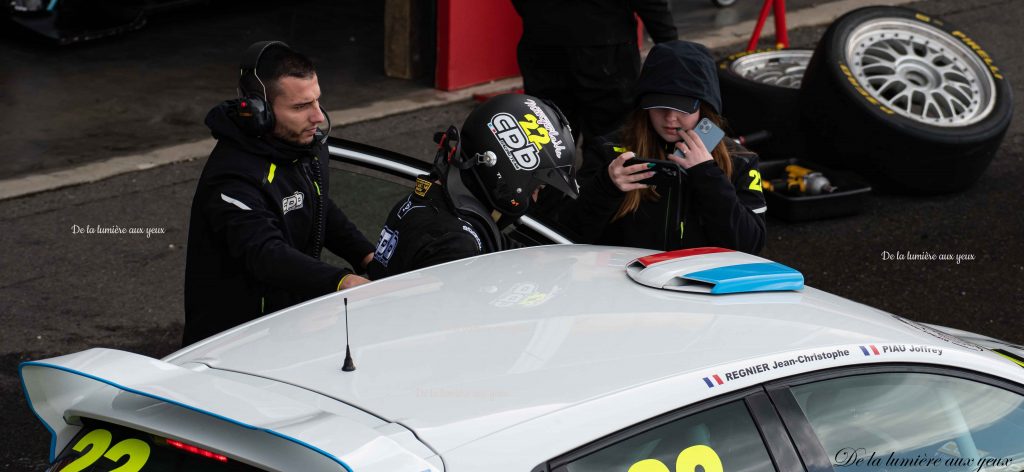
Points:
x=562 y=178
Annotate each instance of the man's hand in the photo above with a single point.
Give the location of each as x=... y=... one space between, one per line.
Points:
x=367 y=259
x=351 y=280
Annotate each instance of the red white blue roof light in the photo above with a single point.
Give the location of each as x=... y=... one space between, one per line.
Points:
x=713 y=270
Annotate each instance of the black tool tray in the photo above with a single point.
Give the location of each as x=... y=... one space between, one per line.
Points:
x=847 y=200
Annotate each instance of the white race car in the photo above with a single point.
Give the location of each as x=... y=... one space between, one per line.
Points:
x=553 y=358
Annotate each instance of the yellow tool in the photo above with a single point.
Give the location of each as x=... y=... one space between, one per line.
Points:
x=800 y=181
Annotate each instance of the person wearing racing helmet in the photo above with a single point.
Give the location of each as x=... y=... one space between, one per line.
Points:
x=484 y=178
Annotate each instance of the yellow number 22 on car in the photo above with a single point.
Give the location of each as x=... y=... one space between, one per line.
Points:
x=96 y=444
x=687 y=461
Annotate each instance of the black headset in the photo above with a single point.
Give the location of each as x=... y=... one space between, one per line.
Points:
x=254 y=112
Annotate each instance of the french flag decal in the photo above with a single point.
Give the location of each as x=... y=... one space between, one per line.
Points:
x=713 y=380
x=870 y=350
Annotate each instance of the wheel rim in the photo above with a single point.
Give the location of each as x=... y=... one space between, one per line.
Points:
x=783 y=68
x=920 y=72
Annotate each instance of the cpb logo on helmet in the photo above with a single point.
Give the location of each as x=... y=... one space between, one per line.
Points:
x=513 y=140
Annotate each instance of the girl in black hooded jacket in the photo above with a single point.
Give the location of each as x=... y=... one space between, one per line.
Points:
x=720 y=201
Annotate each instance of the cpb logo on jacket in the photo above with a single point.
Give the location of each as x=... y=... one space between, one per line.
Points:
x=292 y=202
x=386 y=246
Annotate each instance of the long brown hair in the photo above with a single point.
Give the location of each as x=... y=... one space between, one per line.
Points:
x=640 y=137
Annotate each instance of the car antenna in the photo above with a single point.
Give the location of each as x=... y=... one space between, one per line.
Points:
x=349 y=366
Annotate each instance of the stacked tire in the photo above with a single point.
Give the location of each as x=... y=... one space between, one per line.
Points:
x=760 y=91
x=905 y=99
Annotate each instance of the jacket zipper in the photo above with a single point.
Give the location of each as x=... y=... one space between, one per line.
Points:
x=319 y=210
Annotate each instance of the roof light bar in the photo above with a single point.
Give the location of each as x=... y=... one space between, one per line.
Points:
x=714 y=271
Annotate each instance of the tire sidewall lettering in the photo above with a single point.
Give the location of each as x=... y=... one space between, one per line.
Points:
x=839 y=113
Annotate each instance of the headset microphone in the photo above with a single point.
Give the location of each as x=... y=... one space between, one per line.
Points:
x=328 y=118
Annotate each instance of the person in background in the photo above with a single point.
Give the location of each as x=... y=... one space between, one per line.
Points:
x=583 y=56
x=720 y=200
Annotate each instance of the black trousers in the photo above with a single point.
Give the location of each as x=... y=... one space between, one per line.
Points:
x=592 y=85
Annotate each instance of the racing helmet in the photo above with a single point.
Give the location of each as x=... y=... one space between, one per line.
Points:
x=515 y=143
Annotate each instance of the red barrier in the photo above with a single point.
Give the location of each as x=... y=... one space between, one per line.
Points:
x=476 y=42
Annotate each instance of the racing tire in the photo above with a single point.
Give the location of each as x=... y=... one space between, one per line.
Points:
x=907 y=100
x=760 y=92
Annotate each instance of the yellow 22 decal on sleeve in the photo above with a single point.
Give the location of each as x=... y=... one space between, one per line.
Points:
x=687 y=461
x=98 y=444
x=756 y=183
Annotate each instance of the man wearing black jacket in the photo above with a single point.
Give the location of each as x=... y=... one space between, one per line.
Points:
x=262 y=213
x=583 y=55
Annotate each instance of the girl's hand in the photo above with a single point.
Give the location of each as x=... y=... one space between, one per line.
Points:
x=692 y=150
x=625 y=177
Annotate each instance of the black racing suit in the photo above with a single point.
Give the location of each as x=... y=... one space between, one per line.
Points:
x=583 y=55
x=709 y=210
x=260 y=218
x=425 y=229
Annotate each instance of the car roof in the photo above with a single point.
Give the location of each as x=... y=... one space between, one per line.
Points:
x=463 y=350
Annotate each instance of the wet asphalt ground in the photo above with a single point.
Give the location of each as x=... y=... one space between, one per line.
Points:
x=61 y=293
x=89 y=101
x=152 y=87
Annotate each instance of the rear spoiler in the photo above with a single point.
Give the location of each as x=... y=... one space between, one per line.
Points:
x=1012 y=352
x=253 y=425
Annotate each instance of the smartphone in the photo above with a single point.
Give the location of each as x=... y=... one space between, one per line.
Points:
x=710 y=134
x=665 y=172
